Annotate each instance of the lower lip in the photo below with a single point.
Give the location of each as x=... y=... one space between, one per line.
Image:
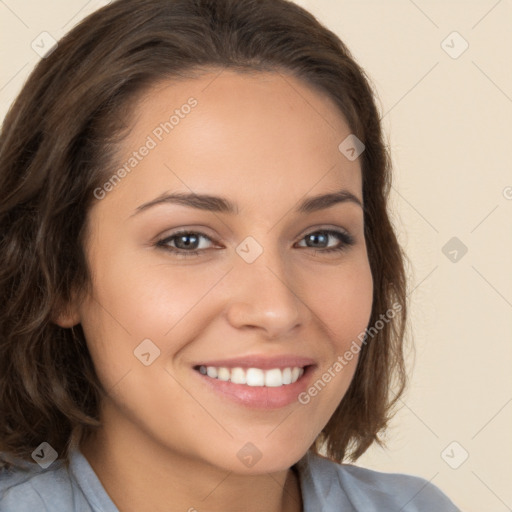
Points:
x=260 y=397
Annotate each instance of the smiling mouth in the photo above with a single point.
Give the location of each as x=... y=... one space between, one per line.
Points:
x=254 y=377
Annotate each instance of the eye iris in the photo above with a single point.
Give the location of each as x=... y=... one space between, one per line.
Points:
x=186 y=245
x=314 y=237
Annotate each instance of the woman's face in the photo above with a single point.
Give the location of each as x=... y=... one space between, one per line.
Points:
x=262 y=292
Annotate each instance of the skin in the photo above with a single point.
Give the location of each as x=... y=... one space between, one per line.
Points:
x=264 y=141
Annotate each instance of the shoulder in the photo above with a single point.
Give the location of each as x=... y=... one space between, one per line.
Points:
x=367 y=490
x=33 y=488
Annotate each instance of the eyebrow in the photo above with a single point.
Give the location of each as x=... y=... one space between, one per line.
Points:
x=222 y=205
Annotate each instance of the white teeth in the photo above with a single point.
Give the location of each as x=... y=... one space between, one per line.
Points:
x=238 y=376
x=274 y=378
x=223 y=373
x=255 y=377
x=211 y=371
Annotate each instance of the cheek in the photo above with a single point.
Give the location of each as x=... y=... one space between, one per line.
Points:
x=142 y=297
x=342 y=300
x=134 y=302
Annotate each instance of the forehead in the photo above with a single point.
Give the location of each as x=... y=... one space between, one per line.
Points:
x=247 y=133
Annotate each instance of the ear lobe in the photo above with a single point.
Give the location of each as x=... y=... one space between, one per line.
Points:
x=67 y=319
x=66 y=316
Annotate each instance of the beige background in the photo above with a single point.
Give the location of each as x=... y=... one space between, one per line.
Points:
x=449 y=124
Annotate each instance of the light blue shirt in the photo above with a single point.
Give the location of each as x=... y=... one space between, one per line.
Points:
x=325 y=486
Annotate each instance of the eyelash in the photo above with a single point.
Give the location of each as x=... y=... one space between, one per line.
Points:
x=345 y=239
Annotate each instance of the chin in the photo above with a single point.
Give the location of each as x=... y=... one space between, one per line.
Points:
x=253 y=458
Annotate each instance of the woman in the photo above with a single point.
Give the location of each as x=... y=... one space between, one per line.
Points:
x=201 y=288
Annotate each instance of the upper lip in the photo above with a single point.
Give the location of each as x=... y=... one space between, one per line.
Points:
x=260 y=361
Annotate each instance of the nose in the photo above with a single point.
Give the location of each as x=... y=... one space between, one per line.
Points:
x=263 y=296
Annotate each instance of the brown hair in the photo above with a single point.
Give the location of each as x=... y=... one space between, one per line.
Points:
x=57 y=145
